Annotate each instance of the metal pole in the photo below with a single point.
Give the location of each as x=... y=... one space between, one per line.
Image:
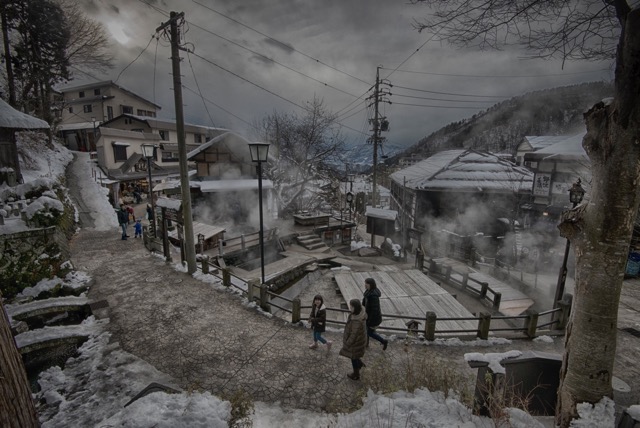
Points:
x=562 y=277
x=152 y=217
x=261 y=223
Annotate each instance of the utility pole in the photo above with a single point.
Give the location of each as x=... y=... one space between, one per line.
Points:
x=190 y=250
x=379 y=124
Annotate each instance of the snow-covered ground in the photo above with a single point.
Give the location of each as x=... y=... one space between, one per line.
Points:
x=94 y=387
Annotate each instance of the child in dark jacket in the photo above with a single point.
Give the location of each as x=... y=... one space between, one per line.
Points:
x=318 y=320
x=138 y=229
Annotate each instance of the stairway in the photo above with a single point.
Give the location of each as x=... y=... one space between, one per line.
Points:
x=311 y=242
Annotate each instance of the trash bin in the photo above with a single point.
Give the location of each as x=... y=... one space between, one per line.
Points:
x=633 y=264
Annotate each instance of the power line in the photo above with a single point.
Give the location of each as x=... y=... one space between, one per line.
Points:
x=442 y=99
x=497 y=75
x=279 y=42
x=451 y=93
x=220 y=107
x=432 y=106
x=135 y=59
x=249 y=81
x=199 y=90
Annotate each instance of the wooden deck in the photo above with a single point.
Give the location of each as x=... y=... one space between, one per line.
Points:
x=408 y=293
x=513 y=302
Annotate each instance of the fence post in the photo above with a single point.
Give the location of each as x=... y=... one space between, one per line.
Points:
x=226 y=277
x=251 y=289
x=484 y=288
x=220 y=248
x=565 y=310
x=243 y=244
x=447 y=274
x=205 y=264
x=465 y=279
x=531 y=323
x=430 y=326
x=420 y=261
x=264 y=298
x=484 y=322
x=295 y=311
x=497 y=298
x=433 y=267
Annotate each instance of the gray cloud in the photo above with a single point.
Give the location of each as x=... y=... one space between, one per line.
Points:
x=352 y=36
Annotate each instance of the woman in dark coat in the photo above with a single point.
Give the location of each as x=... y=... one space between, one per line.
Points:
x=371 y=303
x=354 y=340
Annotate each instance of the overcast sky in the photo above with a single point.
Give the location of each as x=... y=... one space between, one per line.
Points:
x=285 y=52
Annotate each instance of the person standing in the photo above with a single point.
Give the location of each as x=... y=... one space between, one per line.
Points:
x=123 y=220
x=138 y=228
x=354 y=339
x=318 y=320
x=371 y=303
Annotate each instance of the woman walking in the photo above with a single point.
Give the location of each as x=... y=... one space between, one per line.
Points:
x=371 y=303
x=354 y=339
x=318 y=320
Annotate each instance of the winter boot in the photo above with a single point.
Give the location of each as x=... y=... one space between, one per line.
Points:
x=355 y=375
x=314 y=345
x=384 y=345
x=329 y=343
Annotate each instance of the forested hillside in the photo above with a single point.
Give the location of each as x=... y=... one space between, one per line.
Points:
x=556 y=111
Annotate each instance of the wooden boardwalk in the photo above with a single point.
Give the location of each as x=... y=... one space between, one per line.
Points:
x=408 y=293
x=512 y=303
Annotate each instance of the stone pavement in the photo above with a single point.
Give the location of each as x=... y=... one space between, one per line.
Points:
x=208 y=338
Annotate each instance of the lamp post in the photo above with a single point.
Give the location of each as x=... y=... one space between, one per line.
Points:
x=576 y=193
x=259 y=154
x=93 y=119
x=149 y=151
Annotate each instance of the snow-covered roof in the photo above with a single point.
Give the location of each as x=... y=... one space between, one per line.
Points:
x=234 y=143
x=12 y=118
x=465 y=170
x=76 y=126
x=381 y=213
x=569 y=148
x=115 y=132
x=538 y=142
x=210 y=186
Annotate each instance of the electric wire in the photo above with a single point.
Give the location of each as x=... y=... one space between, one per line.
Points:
x=217 y=105
x=442 y=99
x=282 y=43
x=195 y=78
x=451 y=93
x=498 y=76
x=135 y=59
x=438 y=106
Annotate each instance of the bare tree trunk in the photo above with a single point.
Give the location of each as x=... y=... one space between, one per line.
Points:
x=16 y=404
x=601 y=232
x=11 y=85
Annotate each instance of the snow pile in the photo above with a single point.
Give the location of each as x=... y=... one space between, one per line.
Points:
x=356 y=245
x=544 y=339
x=45 y=206
x=394 y=247
x=75 y=280
x=454 y=341
x=492 y=358
x=39 y=158
x=601 y=414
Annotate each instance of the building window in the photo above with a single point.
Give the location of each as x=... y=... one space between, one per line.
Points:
x=151 y=113
x=109 y=112
x=198 y=138
x=70 y=109
x=169 y=156
x=96 y=91
x=87 y=108
x=127 y=110
x=81 y=94
x=127 y=121
x=120 y=153
x=164 y=135
x=141 y=112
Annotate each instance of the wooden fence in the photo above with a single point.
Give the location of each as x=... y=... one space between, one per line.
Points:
x=533 y=323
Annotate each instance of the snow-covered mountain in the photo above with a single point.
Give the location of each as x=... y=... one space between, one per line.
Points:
x=556 y=111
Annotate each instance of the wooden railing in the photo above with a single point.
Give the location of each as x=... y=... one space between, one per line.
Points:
x=533 y=323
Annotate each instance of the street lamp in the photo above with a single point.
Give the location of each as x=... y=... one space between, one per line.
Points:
x=259 y=154
x=93 y=119
x=576 y=193
x=149 y=151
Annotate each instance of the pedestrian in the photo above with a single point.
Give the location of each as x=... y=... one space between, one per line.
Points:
x=371 y=303
x=138 y=228
x=149 y=212
x=354 y=339
x=318 y=320
x=123 y=220
x=132 y=215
